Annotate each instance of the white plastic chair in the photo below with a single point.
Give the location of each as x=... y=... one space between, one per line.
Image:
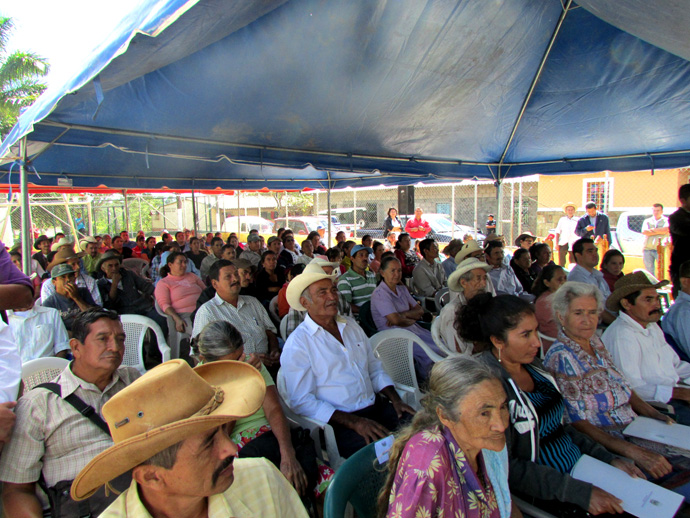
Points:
x=441 y=297
x=543 y=337
x=174 y=336
x=273 y=310
x=394 y=347
x=135 y=327
x=438 y=339
x=314 y=427
x=135 y=265
x=283 y=327
x=41 y=370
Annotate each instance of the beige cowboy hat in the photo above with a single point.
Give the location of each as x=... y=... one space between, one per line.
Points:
x=86 y=241
x=142 y=426
x=63 y=256
x=466 y=266
x=630 y=283
x=569 y=204
x=468 y=248
x=61 y=242
x=455 y=245
x=321 y=262
x=312 y=273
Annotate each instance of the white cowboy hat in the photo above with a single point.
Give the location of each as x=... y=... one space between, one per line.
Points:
x=468 y=248
x=466 y=266
x=312 y=273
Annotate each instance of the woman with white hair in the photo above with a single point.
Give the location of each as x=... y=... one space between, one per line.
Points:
x=599 y=400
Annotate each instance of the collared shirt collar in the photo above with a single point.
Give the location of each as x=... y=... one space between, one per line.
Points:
x=71 y=382
x=218 y=301
x=631 y=322
x=314 y=328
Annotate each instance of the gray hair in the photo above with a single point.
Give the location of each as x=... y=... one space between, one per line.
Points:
x=218 y=339
x=572 y=290
x=306 y=294
x=164 y=459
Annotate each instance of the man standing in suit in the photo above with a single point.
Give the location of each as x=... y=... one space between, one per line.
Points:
x=594 y=224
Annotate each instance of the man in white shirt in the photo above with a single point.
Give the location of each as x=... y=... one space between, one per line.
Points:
x=565 y=234
x=503 y=277
x=638 y=347
x=329 y=370
x=655 y=229
x=245 y=313
x=428 y=276
x=38 y=332
x=586 y=256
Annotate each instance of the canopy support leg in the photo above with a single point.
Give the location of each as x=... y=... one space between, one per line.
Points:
x=499 y=211
x=452 y=211
x=25 y=209
x=194 y=215
x=476 y=188
x=328 y=202
x=124 y=193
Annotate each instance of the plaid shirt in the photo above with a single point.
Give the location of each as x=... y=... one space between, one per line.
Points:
x=258 y=489
x=51 y=436
x=153 y=270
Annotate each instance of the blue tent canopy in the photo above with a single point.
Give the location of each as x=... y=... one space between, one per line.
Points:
x=275 y=93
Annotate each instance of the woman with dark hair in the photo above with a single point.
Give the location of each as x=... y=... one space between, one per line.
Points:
x=451 y=460
x=612 y=267
x=265 y=433
x=405 y=254
x=547 y=282
x=289 y=255
x=542 y=449
x=521 y=263
x=150 y=250
x=270 y=278
x=375 y=263
x=392 y=222
x=178 y=290
x=540 y=253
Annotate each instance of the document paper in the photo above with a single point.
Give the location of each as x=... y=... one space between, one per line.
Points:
x=640 y=497
x=654 y=430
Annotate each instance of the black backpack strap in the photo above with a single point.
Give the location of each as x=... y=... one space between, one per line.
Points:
x=79 y=405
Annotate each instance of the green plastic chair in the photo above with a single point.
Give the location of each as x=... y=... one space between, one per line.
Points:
x=358 y=482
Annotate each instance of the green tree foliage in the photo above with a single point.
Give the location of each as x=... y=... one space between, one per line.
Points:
x=20 y=79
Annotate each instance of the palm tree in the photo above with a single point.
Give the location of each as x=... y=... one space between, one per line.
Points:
x=20 y=74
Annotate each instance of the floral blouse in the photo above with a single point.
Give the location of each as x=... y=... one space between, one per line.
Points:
x=593 y=388
x=433 y=479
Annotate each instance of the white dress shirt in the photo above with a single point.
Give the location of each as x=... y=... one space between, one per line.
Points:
x=322 y=375
x=38 y=332
x=83 y=281
x=506 y=283
x=649 y=364
x=10 y=365
x=249 y=317
x=447 y=324
x=566 y=231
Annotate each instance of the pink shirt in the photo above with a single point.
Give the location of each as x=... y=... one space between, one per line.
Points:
x=179 y=292
x=421 y=225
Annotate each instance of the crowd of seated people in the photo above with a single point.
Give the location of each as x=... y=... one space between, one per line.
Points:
x=495 y=419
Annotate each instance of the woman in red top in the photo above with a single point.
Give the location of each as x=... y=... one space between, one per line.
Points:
x=407 y=257
x=612 y=267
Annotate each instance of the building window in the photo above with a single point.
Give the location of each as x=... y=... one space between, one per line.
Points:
x=600 y=192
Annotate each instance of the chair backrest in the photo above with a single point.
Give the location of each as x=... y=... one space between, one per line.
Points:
x=357 y=482
x=273 y=310
x=134 y=264
x=366 y=320
x=438 y=338
x=394 y=348
x=174 y=336
x=135 y=327
x=543 y=337
x=283 y=327
x=441 y=297
x=41 y=370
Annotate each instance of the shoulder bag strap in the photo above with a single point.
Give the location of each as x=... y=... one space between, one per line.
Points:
x=79 y=405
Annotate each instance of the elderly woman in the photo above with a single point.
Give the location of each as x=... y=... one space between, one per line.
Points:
x=598 y=399
x=265 y=433
x=393 y=306
x=178 y=290
x=542 y=449
x=405 y=254
x=612 y=267
x=452 y=459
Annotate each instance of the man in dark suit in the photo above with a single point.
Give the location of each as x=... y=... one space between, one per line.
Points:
x=593 y=224
x=679 y=224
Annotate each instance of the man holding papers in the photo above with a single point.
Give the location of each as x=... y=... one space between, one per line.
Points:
x=638 y=347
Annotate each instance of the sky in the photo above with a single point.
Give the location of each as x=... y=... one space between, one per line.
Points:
x=63 y=31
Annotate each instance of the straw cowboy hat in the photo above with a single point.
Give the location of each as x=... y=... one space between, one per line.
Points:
x=61 y=242
x=110 y=254
x=63 y=256
x=86 y=241
x=630 y=283
x=204 y=398
x=466 y=266
x=321 y=262
x=468 y=248
x=569 y=204
x=523 y=236
x=455 y=245
x=312 y=273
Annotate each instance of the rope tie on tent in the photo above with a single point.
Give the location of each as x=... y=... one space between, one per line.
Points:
x=18 y=163
x=146 y=155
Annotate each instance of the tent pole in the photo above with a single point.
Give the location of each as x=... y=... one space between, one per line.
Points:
x=141 y=218
x=70 y=220
x=499 y=211
x=25 y=209
x=194 y=216
x=452 y=211
x=354 y=214
x=520 y=209
x=476 y=188
x=287 y=215
x=89 y=208
x=512 y=209
x=124 y=193
x=218 y=212
x=328 y=202
x=239 y=217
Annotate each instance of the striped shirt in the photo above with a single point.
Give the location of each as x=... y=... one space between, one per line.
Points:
x=258 y=489
x=249 y=317
x=357 y=288
x=51 y=436
x=556 y=448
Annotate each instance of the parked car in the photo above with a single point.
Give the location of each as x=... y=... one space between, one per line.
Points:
x=441 y=229
x=246 y=223
x=628 y=237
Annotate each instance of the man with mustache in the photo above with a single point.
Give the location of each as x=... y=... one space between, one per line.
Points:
x=52 y=441
x=245 y=313
x=330 y=372
x=180 y=455
x=637 y=344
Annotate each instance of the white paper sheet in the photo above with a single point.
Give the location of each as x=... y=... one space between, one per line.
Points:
x=640 y=497
x=676 y=435
x=382 y=448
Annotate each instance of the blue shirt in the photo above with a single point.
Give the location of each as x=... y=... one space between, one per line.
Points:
x=676 y=322
x=595 y=277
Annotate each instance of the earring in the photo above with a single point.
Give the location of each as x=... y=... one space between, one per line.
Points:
x=499 y=356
